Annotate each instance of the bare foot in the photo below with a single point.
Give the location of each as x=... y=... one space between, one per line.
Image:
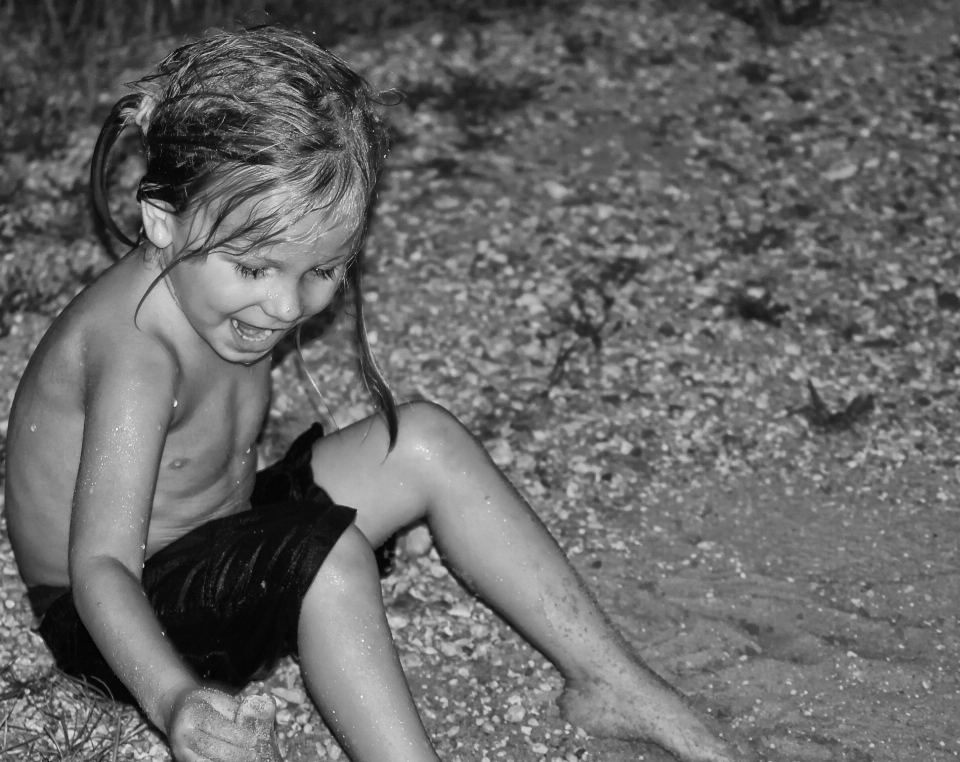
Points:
x=258 y=713
x=648 y=710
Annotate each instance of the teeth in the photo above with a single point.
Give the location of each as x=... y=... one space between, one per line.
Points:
x=250 y=333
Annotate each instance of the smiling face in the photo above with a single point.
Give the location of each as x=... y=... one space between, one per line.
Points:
x=242 y=304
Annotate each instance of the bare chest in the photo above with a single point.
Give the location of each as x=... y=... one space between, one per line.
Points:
x=209 y=457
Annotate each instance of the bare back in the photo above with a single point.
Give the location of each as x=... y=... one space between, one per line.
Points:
x=216 y=409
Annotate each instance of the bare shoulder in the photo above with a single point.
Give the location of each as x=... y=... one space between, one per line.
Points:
x=97 y=345
x=93 y=363
x=122 y=359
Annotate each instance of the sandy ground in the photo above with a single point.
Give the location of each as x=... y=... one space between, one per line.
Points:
x=699 y=300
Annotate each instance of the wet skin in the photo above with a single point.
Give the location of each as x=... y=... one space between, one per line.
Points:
x=188 y=383
x=130 y=428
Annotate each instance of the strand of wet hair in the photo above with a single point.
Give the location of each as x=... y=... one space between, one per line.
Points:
x=309 y=375
x=369 y=369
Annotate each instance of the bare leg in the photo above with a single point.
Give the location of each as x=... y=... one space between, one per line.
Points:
x=499 y=547
x=349 y=662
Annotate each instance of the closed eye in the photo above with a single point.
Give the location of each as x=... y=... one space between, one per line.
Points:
x=250 y=272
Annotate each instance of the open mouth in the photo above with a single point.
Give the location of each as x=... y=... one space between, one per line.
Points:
x=251 y=333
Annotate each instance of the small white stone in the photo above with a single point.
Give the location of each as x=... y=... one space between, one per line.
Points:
x=515 y=713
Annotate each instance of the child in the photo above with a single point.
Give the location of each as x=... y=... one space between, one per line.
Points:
x=161 y=564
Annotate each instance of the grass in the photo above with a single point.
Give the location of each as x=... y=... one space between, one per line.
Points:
x=56 y=719
x=57 y=57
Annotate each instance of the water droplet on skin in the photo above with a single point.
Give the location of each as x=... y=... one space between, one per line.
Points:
x=175 y=403
x=33 y=427
x=248 y=451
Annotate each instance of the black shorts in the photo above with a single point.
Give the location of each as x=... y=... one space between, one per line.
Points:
x=227 y=594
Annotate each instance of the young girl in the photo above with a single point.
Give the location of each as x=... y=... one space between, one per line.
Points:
x=161 y=564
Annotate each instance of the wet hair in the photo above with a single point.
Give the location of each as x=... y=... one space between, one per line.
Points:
x=243 y=116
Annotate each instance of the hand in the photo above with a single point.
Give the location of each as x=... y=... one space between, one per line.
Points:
x=257 y=713
x=203 y=729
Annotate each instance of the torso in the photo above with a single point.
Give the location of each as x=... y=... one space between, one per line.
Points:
x=209 y=456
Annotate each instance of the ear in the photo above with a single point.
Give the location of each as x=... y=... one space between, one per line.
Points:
x=159 y=222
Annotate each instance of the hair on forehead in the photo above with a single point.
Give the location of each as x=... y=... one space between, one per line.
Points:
x=254 y=113
x=244 y=214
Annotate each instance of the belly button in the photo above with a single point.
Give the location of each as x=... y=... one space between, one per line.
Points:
x=177 y=464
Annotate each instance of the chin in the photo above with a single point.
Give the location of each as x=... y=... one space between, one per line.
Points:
x=232 y=354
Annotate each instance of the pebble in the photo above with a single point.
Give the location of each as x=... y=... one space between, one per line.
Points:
x=515 y=714
x=417 y=542
x=290 y=695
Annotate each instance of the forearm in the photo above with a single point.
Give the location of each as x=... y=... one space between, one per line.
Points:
x=119 y=618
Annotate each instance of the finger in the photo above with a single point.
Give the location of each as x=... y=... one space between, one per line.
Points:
x=211 y=723
x=224 y=703
x=218 y=750
x=190 y=755
x=257 y=713
x=260 y=713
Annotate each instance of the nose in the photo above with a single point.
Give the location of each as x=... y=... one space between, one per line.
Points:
x=283 y=303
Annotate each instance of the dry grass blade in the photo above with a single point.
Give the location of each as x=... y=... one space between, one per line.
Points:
x=75 y=723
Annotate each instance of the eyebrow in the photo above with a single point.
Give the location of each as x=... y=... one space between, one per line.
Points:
x=252 y=255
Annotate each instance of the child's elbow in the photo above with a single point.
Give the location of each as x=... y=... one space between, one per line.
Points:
x=93 y=573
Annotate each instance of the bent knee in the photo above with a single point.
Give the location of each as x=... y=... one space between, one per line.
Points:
x=432 y=436
x=349 y=564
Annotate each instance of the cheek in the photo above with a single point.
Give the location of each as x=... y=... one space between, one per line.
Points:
x=205 y=289
x=318 y=298
x=229 y=293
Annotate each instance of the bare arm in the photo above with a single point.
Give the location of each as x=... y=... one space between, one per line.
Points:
x=128 y=410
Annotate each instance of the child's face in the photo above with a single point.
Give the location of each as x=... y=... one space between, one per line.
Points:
x=243 y=305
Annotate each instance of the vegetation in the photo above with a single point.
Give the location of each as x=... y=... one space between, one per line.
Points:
x=694 y=285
